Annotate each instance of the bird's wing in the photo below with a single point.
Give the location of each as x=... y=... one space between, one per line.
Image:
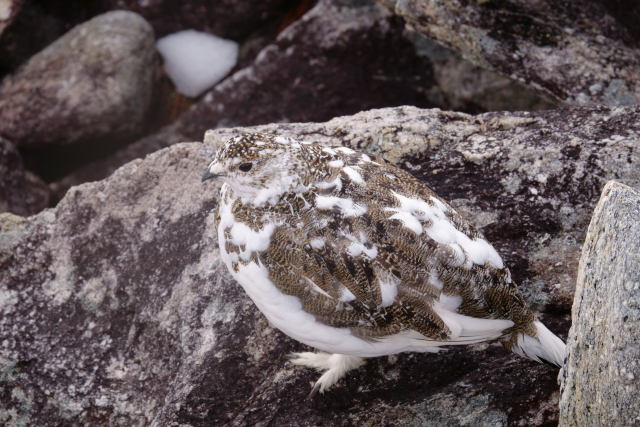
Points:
x=373 y=249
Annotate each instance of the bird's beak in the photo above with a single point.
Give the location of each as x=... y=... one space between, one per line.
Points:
x=208 y=175
x=213 y=171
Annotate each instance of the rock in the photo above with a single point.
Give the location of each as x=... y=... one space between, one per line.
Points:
x=626 y=13
x=93 y=83
x=116 y=309
x=242 y=20
x=600 y=381
x=462 y=86
x=52 y=19
x=340 y=58
x=235 y=19
x=8 y=11
x=21 y=192
x=577 y=53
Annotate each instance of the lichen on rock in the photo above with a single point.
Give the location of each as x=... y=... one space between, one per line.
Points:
x=116 y=308
x=600 y=378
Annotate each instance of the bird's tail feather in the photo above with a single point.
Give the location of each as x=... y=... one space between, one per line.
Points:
x=545 y=345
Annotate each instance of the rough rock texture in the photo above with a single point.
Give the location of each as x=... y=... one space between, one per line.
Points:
x=627 y=13
x=342 y=57
x=94 y=82
x=601 y=376
x=116 y=310
x=21 y=192
x=8 y=11
x=250 y=21
x=462 y=86
x=574 y=50
x=234 y=19
x=52 y=18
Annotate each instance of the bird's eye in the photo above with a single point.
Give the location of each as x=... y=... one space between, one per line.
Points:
x=245 y=167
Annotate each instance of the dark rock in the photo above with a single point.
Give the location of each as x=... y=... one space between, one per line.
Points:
x=340 y=58
x=600 y=380
x=93 y=83
x=574 y=51
x=627 y=13
x=235 y=19
x=8 y=11
x=52 y=18
x=116 y=309
x=21 y=192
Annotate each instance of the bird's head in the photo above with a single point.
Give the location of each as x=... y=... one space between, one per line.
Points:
x=259 y=167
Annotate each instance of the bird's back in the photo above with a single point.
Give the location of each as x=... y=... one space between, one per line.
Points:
x=368 y=248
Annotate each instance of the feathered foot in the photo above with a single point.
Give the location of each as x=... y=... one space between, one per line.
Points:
x=334 y=366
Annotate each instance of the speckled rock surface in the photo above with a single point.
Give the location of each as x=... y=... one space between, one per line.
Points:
x=93 y=83
x=331 y=46
x=600 y=381
x=116 y=309
x=575 y=51
x=21 y=192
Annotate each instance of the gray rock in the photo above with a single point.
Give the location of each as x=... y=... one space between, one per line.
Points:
x=116 y=309
x=52 y=18
x=600 y=381
x=462 y=86
x=575 y=52
x=342 y=57
x=21 y=192
x=93 y=83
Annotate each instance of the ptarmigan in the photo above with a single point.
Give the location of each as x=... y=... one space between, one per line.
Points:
x=357 y=258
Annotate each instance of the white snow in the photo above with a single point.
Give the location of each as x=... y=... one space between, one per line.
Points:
x=195 y=61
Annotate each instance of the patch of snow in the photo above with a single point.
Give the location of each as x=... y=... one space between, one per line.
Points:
x=195 y=61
